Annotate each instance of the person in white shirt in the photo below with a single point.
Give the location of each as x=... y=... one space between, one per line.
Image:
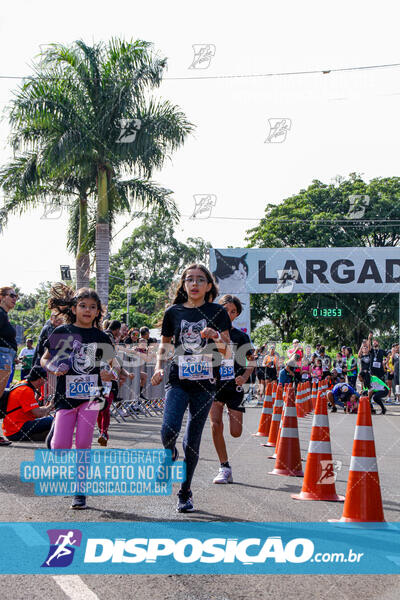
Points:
x=26 y=356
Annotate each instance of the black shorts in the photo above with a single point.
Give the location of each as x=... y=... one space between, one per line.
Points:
x=229 y=396
x=261 y=373
x=271 y=374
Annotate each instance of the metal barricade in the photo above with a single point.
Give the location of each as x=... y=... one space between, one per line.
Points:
x=49 y=387
x=132 y=401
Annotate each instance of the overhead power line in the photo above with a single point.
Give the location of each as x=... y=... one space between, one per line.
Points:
x=326 y=71
x=290 y=73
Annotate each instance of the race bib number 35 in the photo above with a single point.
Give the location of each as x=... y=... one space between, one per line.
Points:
x=226 y=369
x=81 y=387
x=195 y=366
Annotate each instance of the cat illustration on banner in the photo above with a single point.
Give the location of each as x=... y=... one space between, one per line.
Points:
x=231 y=273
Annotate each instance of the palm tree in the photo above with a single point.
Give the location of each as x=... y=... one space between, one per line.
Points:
x=87 y=112
x=27 y=183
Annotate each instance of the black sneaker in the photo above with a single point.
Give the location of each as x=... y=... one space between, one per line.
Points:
x=383 y=411
x=4 y=442
x=78 y=502
x=333 y=409
x=373 y=411
x=185 y=502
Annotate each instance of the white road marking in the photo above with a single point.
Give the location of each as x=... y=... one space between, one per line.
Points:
x=74 y=587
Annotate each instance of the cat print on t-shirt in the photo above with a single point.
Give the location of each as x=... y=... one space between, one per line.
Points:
x=83 y=357
x=190 y=337
x=231 y=273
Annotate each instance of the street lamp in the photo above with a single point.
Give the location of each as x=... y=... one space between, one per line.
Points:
x=65 y=272
x=129 y=279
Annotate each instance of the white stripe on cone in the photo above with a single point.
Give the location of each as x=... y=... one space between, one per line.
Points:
x=267 y=411
x=289 y=432
x=320 y=421
x=316 y=447
x=364 y=432
x=363 y=464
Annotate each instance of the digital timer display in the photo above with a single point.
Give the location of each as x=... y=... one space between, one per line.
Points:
x=327 y=312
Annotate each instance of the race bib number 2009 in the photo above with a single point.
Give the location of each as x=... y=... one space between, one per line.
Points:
x=195 y=366
x=81 y=387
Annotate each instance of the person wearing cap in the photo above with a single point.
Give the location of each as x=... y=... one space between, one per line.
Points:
x=295 y=344
x=342 y=393
x=25 y=419
x=316 y=352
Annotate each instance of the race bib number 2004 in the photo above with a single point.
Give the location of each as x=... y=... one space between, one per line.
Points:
x=195 y=366
x=81 y=387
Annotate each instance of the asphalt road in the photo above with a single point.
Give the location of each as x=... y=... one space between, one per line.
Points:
x=255 y=496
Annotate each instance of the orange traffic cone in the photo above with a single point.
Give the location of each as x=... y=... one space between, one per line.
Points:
x=276 y=417
x=363 y=493
x=274 y=388
x=314 y=395
x=324 y=385
x=278 y=437
x=319 y=478
x=300 y=405
x=266 y=414
x=288 y=460
x=307 y=392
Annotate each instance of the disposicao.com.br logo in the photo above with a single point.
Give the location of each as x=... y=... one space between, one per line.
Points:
x=190 y=547
x=212 y=550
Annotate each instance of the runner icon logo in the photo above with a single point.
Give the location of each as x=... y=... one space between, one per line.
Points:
x=358 y=205
x=286 y=280
x=278 y=130
x=203 y=54
x=204 y=203
x=62 y=542
x=330 y=470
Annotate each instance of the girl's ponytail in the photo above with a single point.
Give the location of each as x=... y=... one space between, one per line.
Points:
x=63 y=297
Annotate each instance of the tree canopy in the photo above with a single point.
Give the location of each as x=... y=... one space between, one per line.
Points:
x=155 y=257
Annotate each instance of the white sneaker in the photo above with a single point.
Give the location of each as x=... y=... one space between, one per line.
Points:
x=224 y=475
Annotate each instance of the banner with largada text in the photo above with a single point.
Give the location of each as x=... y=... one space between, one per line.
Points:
x=306 y=270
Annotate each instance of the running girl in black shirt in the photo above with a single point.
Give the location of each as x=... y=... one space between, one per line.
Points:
x=75 y=353
x=234 y=373
x=200 y=333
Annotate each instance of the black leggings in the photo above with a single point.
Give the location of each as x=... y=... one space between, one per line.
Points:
x=378 y=396
x=352 y=379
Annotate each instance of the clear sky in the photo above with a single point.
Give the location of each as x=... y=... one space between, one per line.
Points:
x=339 y=122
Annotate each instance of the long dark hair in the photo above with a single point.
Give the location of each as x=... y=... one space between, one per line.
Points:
x=62 y=298
x=180 y=293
